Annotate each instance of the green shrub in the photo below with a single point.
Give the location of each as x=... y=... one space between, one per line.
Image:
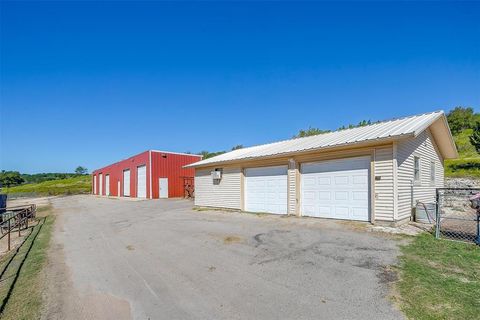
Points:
x=466 y=167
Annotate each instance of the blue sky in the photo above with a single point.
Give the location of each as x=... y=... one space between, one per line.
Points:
x=89 y=83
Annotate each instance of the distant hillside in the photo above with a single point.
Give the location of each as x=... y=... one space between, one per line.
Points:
x=75 y=185
x=468 y=164
x=464 y=122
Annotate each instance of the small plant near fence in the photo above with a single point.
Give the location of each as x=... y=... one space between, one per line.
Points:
x=457 y=215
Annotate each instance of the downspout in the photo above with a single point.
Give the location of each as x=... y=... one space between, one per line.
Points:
x=395 y=182
x=411 y=200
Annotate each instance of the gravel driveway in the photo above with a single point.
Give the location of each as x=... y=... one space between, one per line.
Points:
x=159 y=259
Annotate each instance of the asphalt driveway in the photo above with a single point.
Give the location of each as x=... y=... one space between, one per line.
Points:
x=159 y=259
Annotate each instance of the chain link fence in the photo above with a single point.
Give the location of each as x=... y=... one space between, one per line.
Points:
x=457 y=217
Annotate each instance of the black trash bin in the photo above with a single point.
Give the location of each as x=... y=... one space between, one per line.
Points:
x=3 y=203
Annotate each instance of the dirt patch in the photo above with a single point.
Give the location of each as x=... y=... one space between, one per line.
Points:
x=130 y=247
x=231 y=239
x=39 y=201
x=354 y=225
x=387 y=275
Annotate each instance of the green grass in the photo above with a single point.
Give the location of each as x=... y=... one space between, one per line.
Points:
x=25 y=282
x=439 y=279
x=76 y=185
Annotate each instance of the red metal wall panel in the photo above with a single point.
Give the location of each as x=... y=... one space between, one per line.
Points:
x=170 y=165
x=164 y=165
x=116 y=174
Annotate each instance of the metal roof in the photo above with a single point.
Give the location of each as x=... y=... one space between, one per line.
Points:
x=385 y=130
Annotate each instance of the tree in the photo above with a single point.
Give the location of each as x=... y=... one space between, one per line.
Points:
x=238 y=146
x=461 y=118
x=206 y=154
x=310 y=132
x=362 y=123
x=10 y=178
x=81 y=170
x=475 y=137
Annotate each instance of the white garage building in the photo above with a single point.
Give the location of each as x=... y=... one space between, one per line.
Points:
x=366 y=173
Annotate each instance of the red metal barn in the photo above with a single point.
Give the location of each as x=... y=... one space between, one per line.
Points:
x=151 y=174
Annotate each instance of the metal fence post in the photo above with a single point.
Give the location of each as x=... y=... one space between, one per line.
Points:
x=437 y=214
x=477 y=239
x=8 y=235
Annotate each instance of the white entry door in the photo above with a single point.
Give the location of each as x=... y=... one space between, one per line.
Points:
x=336 y=189
x=100 y=189
x=107 y=185
x=163 y=187
x=126 y=183
x=118 y=188
x=142 y=182
x=95 y=184
x=266 y=189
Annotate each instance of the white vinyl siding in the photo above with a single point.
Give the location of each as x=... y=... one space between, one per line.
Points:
x=423 y=146
x=432 y=172
x=384 y=191
x=226 y=193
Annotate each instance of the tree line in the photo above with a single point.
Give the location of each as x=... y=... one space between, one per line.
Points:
x=15 y=178
x=459 y=119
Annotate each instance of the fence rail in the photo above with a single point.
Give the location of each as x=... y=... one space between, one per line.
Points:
x=14 y=219
x=456 y=217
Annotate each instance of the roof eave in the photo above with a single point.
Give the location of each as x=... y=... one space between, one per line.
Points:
x=450 y=151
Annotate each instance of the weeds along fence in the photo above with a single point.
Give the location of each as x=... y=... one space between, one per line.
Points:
x=456 y=218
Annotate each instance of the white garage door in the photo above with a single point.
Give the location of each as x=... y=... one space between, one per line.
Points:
x=100 y=177
x=266 y=189
x=336 y=189
x=107 y=185
x=126 y=183
x=142 y=182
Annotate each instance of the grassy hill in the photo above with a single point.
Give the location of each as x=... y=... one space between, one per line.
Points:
x=75 y=185
x=468 y=164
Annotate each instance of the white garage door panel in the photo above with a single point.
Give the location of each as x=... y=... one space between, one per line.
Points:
x=100 y=177
x=266 y=189
x=142 y=182
x=336 y=189
x=107 y=185
x=126 y=183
